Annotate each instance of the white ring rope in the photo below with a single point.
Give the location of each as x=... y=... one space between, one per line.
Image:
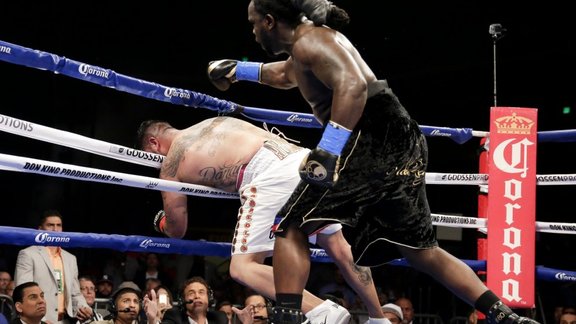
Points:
x=28 y=129
x=51 y=135
x=456 y=178
x=21 y=164
x=53 y=169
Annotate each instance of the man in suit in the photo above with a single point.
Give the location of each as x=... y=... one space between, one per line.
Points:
x=196 y=297
x=56 y=272
x=29 y=303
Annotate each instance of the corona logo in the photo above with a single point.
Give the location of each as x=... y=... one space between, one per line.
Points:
x=44 y=238
x=514 y=125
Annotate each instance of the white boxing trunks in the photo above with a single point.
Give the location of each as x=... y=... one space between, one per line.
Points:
x=265 y=184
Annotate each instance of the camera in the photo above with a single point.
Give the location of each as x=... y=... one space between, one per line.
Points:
x=496 y=29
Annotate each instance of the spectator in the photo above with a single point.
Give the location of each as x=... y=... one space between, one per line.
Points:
x=5 y=279
x=196 y=297
x=125 y=305
x=257 y=310
x=29 y=303
x=226 y=307
x=6 y=304
x=393 y=313
x=407 y=309
x=104 y=286
x=88 y=289
x=56 y=272
x=568 y=317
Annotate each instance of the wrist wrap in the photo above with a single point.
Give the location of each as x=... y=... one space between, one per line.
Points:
x=334 y=138
x=248 y=71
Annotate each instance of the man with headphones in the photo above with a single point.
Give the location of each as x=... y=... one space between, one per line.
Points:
x=195 y=299
x=125 y=305
x=257 y=310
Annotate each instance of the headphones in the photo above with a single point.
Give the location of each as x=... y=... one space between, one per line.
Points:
x=269 y=306
x=7 y=308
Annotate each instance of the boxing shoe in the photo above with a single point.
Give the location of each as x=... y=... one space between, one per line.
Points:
x=283 y=315
x=515 y=319
x=499 y=313
x=378 y=321
x=328 y=313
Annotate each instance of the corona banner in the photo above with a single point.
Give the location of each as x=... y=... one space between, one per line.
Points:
x=512 y=205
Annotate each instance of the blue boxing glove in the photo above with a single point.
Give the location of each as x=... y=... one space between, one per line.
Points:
x=223 y=73
x=321 y=166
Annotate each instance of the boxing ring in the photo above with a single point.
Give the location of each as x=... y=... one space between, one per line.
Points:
x=19 y=55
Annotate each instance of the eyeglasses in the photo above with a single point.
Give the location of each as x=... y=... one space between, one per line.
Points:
x=258 y=306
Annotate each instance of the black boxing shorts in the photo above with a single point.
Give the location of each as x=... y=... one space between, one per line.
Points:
x=381 y=191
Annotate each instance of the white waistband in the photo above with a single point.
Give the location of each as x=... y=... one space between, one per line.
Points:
x=269 y=153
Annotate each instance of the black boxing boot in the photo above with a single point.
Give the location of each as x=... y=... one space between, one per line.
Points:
x=499 y=313
x=283 y=315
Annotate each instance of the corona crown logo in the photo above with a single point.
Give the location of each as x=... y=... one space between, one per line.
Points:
x=514 y=125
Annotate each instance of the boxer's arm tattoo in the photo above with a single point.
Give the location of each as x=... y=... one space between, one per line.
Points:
x=364 y=274
x=170 y=164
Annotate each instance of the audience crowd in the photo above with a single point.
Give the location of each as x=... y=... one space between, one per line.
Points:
x=88 y=284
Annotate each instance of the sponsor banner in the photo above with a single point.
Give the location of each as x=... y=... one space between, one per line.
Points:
x=511 y=205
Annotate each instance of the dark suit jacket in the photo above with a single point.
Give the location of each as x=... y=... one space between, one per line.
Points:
x=18 y=321
x=177 y=316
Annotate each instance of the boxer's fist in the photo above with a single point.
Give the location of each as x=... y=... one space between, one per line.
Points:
x=320 y=168
x=322 y=164
x=222 y=73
